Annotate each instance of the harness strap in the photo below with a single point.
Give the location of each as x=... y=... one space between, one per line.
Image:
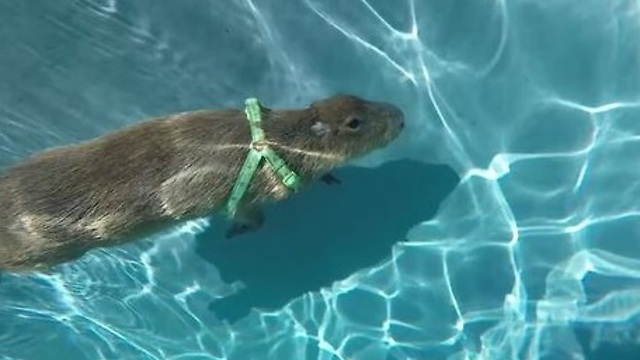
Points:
x=258 y=150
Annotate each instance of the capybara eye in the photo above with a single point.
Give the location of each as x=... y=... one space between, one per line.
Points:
x=353 y=122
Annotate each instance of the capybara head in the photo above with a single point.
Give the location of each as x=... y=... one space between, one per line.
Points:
x=336 y=129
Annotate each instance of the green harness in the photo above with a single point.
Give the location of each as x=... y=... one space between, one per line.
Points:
x=258 y=150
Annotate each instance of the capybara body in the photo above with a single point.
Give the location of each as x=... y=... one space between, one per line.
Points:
x=62 y=202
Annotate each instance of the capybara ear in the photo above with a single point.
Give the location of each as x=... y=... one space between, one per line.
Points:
x=320 y=128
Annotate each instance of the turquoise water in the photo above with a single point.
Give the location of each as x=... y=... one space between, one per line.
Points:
x=502 y=225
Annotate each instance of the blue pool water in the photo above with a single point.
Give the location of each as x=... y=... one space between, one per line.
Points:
x=503 y=224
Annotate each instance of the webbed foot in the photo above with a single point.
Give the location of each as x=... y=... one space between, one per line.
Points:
x=246 y=220
x=330 y=179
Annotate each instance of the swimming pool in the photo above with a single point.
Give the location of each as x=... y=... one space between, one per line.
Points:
x=502 y=225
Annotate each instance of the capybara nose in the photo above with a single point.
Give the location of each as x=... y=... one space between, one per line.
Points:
x=395 y=114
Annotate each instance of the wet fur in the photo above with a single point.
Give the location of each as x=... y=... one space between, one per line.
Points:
x=62 y=202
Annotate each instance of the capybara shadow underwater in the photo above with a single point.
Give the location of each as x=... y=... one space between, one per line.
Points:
x=325 y=234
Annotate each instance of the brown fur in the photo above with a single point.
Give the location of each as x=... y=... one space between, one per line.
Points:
x=62 y=202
